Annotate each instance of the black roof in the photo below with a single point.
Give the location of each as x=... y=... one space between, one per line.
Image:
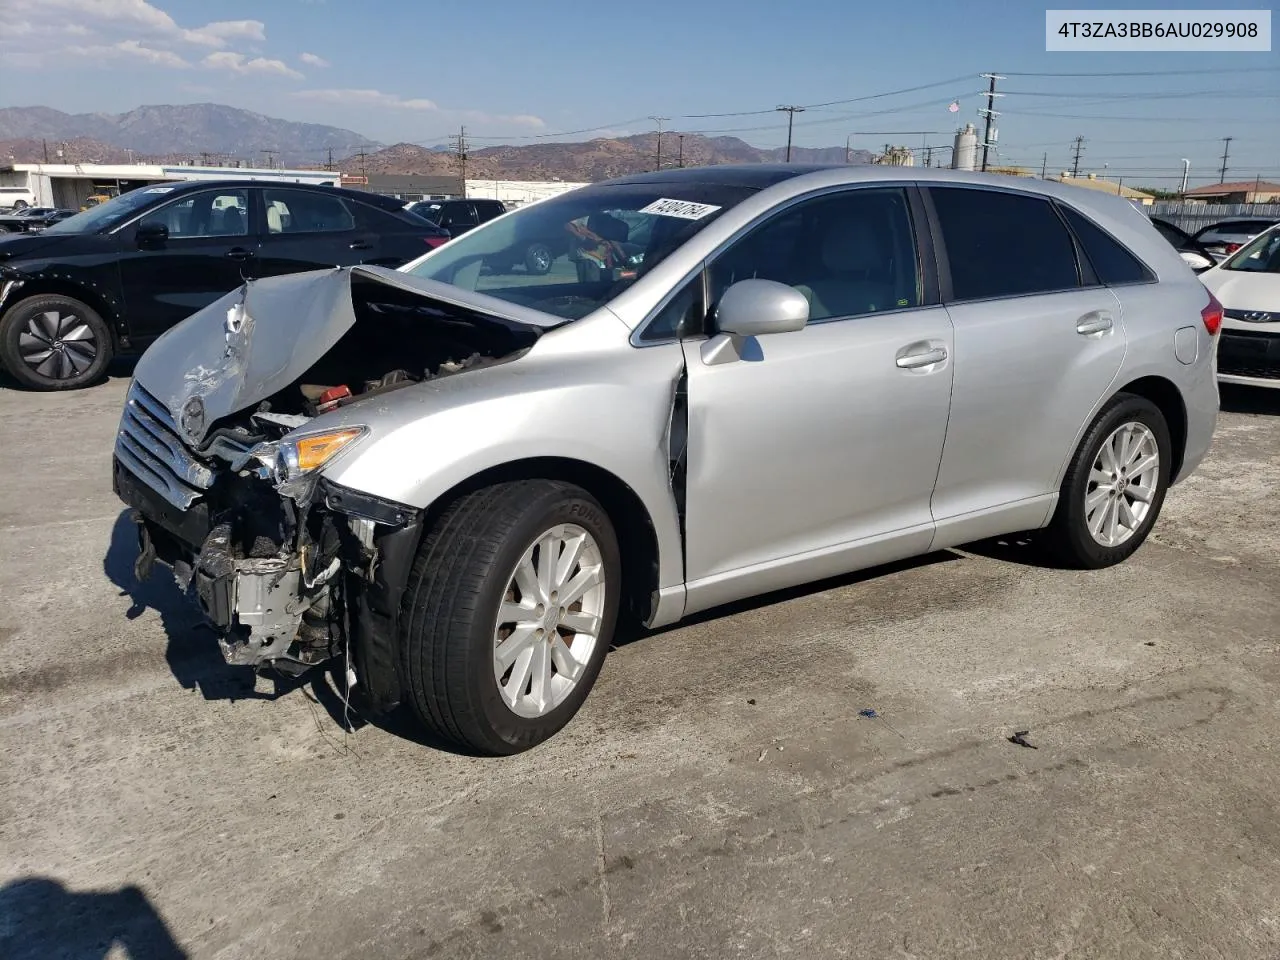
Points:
x=757 y=175
x=375 y=199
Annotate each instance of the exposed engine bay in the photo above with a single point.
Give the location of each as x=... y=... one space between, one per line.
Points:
x=289 y=567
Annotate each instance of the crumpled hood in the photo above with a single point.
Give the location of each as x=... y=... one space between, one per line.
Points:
x=255 y=341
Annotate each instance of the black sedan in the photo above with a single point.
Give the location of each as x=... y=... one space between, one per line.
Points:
x=110 y=280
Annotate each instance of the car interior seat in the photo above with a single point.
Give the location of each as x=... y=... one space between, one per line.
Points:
x=854 y=275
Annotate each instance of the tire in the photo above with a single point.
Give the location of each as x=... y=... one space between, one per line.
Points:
x=52 y=342
x=1069 y=539
x=538 y=259
x=464 y=574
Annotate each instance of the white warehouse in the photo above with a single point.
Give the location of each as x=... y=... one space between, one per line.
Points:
x=70 y=185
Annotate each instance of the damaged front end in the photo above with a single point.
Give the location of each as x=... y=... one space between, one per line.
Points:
x=291 y=568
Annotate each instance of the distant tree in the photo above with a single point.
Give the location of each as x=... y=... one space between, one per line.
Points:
x=1160 y=194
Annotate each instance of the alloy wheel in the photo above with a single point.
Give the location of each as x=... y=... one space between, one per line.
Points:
x=1122 y=484
x=549 y=621
x=57 y=345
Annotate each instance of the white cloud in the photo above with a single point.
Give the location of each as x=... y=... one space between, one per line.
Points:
x=311 y=60
x=130 y=50
x=392 y=101
x=239 y=64
x=366 y=98
x=41 y=32
x=218 y=33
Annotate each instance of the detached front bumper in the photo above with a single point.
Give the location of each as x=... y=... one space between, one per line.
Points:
x=281 y=608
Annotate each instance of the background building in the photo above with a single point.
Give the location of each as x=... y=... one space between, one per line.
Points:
x=1245 y=191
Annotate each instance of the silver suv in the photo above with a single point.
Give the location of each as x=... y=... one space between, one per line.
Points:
x=457 y=478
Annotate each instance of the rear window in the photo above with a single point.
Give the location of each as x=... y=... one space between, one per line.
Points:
x=1110 y=260
x=1003 y=244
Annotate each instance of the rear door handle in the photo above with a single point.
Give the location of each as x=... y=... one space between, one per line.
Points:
x=362 y=245
x=1097 y=322
x=239 y=253
x=913 y=360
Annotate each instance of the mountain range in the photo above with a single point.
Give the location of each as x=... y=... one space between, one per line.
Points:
x=214 y=133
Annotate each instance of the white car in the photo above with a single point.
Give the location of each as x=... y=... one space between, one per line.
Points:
x=1248 y=286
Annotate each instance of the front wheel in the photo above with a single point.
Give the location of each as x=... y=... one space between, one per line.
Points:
x=508 y=613
x=52 y=342
x=538 y=259
x=1114 y=487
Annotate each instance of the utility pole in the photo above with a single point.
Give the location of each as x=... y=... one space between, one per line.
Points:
x=846 y=147
x=363 y=174
x=460 y=146
x=990 y=114
x=1044 y=166
x=45 y=144
x=1186 y=170
x=1226 y=149
x=659 y=121
x=329 y=164
x=928 y=156
x=790 y=111
x=680 y=159
x=1075 y=162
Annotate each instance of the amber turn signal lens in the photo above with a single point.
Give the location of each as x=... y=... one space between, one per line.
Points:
x=317 y=450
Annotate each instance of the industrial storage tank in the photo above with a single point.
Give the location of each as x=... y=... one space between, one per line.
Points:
x=964 y=156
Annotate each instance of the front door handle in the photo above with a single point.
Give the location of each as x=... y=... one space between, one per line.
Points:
x=1091 y=323
x=913 y=360
x=239 y=253
x=362 y=245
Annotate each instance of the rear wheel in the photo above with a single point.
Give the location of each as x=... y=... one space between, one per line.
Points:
x=508 y=613
x=52 y=342
x=1114 y=487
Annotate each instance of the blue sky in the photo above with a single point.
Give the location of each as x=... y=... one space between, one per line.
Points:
x=398 y=70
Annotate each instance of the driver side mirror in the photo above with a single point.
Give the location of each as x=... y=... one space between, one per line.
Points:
x=151 y=235
x=753 y=308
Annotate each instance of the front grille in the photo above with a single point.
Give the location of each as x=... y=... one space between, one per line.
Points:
x=1247 y=354
x=148 y=445
x=1253 y=316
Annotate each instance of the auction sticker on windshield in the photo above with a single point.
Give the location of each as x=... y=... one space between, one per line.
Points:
x=683 y=209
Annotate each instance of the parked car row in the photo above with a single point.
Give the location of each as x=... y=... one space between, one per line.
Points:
x=32 y=218
x=112 y=278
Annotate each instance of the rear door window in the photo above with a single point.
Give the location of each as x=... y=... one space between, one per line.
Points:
x=301 y=211
x=1003 y=244
x=1110 y=260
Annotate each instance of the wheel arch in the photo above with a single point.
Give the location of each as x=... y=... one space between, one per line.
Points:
x=38 y=286
x=637 y=533
x=1168 y=399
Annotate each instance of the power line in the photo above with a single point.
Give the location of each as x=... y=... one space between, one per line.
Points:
x=790 y=111
x=460 y=148
x=990 y=114
x=659 y=121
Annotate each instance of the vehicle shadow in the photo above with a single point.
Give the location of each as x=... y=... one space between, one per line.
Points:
x=629 y=632
x=1234 y=398
x=192 y=651
x=43 y=920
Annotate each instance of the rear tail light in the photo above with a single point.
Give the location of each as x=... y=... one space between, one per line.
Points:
x=434 y=242
x=1211 y=315
x=1232 y=247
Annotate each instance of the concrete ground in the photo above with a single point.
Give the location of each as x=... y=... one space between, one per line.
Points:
x=719 y=796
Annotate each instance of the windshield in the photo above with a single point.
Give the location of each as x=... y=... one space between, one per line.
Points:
x=571 y=254
x=108 y=214
x=428 y=211
x=1261 y=255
